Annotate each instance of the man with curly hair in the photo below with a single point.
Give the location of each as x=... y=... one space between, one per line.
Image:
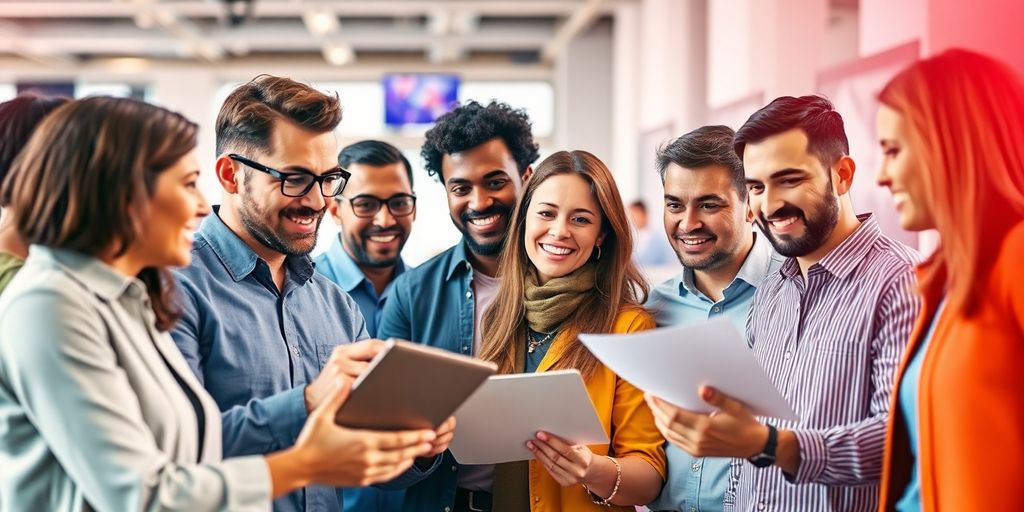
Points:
x=482 y=155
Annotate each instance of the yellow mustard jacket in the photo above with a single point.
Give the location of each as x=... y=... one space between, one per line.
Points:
x=625 y=416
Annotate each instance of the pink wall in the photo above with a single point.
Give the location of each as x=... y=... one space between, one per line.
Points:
x=995 y=27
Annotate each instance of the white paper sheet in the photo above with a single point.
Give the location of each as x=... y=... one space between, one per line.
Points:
x=494 y=424
x=672 y=363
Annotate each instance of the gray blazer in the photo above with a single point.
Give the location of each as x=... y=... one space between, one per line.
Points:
x=92 y=416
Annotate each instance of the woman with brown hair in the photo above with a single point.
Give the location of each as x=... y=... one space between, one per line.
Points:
x=566 y=270
x=18 y=118
x=98 y=408
x=951 y=128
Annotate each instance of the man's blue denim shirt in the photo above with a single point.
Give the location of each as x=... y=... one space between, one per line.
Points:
x=433 y=305
x=256 y=349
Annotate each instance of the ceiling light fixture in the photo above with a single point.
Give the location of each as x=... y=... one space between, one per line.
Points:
x=320 y=22
x=338 y=54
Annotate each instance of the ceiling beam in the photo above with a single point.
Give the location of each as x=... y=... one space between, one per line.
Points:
x=181 y=28
x=14 y=40
x=289 y=37
x=287 y=8
x=579 y=21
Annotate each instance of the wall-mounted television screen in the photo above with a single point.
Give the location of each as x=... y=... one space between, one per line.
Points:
x=418 y=98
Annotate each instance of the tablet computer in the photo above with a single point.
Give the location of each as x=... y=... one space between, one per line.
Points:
x=508 y=410
x=410 y=386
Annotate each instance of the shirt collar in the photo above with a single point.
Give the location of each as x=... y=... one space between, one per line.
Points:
x=237 y=257
x=842 y=260
x=459 y=260
x=752 y=271
x=349 y=274
x=95 y=275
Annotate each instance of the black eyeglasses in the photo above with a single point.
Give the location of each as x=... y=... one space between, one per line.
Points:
x=298 y=184
x=365 y=205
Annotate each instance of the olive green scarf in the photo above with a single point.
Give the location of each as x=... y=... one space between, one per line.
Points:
x=548 y=305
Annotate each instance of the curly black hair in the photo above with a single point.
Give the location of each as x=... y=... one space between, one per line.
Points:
x=472 y=124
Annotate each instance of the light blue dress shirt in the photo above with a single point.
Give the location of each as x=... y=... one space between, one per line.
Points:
x=699 y=484
x=339 y=267
x=255 y=348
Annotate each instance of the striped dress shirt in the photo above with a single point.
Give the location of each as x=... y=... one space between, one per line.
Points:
x=831 y=344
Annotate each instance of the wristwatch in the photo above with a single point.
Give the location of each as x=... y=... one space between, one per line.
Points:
x=767 y=456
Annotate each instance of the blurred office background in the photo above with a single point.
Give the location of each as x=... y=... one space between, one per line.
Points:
x=614 y=77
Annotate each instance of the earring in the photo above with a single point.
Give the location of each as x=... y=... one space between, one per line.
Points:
x=598 y=247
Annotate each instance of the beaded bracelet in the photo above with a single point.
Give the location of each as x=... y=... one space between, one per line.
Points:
x=607 y=502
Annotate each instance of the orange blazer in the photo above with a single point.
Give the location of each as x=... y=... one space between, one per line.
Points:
x=971 y=399
x=625 y=416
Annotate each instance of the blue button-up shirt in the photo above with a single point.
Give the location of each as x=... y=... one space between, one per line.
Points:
x=338 y=266
x=699 y=484
x=255 y=348
x=433 y=304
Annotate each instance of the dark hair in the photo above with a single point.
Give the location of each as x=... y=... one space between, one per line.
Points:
x=373 y=152
x=94 y=158
x=18 y=118
x=815 y=115
x=247 y=115
x=473 y=124
x=704 y=147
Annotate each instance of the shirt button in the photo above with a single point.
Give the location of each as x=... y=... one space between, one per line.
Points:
x=693 y=509
x=455 y=467
x=295 y=350
x=447 y=509
x=465 y=348
x=536 y=499
x=695 y=467
x=788 y=353
x=760 y=506
x=717 y=309
x=469 y=295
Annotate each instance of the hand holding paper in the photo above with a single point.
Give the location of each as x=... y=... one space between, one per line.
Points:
x=672 y=363
x=732 y=432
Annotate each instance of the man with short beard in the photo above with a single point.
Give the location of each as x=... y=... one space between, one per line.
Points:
x=709 y=225
x=267 y=336
x=482 y=156
x=375 y=215
x=829 y=327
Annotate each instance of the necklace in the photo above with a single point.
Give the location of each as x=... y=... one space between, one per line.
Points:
x=532 y=345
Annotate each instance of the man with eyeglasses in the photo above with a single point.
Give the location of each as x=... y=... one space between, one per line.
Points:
x=267 y=336
x=375 y=214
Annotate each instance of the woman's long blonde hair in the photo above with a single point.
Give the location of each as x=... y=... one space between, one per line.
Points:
x=619 y=284
x=965 y=114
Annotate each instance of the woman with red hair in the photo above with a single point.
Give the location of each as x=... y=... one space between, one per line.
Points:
x=951 y=131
